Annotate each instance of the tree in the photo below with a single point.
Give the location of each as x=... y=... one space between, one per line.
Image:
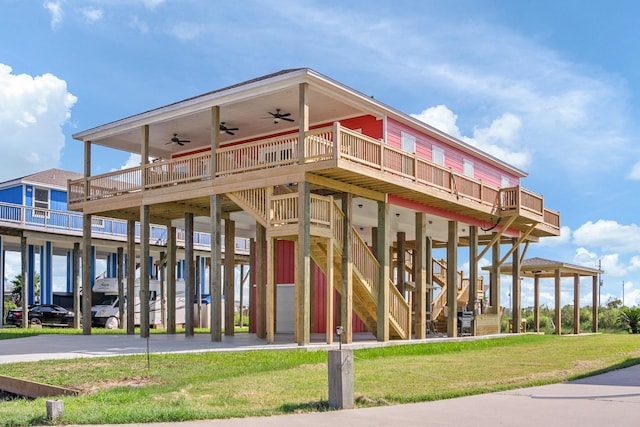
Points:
x=630 y=317
x=16 y=293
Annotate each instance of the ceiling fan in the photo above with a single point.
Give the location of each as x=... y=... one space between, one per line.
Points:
x=228 y=130
x=176 y=140
x=277 y=116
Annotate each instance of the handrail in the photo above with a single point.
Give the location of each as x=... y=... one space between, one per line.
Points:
x=65 y=222
x=335 y=142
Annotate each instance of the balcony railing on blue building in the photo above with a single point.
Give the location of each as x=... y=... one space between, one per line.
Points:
x=70 y=223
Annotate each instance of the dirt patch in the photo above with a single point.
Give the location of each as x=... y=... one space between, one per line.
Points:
x=125 y=382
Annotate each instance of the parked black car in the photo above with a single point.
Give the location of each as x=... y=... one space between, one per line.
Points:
x=43 y=314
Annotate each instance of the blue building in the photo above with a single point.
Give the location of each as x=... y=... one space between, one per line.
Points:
x=39 y=236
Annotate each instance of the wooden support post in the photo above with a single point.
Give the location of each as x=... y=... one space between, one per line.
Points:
x=576 y=303
x=215 y=288
x=401 y=251
x=516 y=316
x=87 y=280
x=24 y=263
x=382 y=255
x=252 y=285
x=131 y=275
x=429 y=273
x=473 y=274
x=120 y=279
x=163 y=289
x=347 y=269
x=452 y=279
x=77 y=304
x=420 y=258
x=558 y=314
x=271 y=291
x=303 y=98
x=171 y=279
x=261 y=281
x=330 y=291
x=494 y=286
x=144 y=270
x=536 y=302
x=229 y=276
x=303 y=278
x=595 y=304
x=190 y=285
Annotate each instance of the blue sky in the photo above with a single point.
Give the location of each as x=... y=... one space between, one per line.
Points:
x=550 y=86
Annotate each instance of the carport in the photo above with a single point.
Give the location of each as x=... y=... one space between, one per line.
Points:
x=540 y=268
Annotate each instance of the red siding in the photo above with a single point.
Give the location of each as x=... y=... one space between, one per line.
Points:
x=454 y=157
x=320 y=305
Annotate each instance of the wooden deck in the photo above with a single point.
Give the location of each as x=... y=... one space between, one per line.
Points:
x=334 y=157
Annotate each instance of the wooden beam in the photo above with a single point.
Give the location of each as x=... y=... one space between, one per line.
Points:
x=189 y=278
x=144 y=271
x=515 y=288
x=473 y=274
x=77 y=304
x=452 y=275
x=330 y=290
x=536 y=303
x=420 y=260
x=347 y=269
x=261 y=281
x=558 y=313
x=576 y=303
x=496 y=237
x=215 y=288
x=345 y=188
x=229 y=276
x=131 y=275
x=32 y=389
x=382 y=255
x=594 y=304
x=121 y=289
x=171 y=279
x=516 y=245
x=303 y=278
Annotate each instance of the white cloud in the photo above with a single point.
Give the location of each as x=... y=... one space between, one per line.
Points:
x=555 y=241
x=132 y=161
x=32 y=113
x=608 y=235
x=139 y=25
x=152 y=4
x=635 y=172
x=186 y=30
x=55 y=9
x=92 y=14
x=495 y=139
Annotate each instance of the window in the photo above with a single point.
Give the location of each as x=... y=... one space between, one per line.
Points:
x=437 y=155
x=41 y=200
x=504 y=182
x=467 y=168
x=408 y=143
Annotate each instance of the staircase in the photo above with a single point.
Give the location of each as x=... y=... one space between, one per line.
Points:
x=280 y=211
x=462 y=284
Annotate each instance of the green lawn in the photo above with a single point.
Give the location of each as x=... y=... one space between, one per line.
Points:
x=220 y=385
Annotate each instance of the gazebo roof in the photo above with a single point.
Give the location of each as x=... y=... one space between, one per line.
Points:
x=547 y=268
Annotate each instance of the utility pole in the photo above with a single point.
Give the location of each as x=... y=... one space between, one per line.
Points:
x=599 y=282
x=623 y=293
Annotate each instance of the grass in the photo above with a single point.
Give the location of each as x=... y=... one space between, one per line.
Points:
x=222 y=385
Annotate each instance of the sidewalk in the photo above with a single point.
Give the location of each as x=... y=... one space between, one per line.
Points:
x=607 y=399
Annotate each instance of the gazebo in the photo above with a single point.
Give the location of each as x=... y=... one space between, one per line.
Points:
x=540 y=268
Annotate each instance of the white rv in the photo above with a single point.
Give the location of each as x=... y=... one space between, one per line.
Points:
x=106 y=313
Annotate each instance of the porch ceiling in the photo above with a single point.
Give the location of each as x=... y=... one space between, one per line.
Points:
x=251 y=117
